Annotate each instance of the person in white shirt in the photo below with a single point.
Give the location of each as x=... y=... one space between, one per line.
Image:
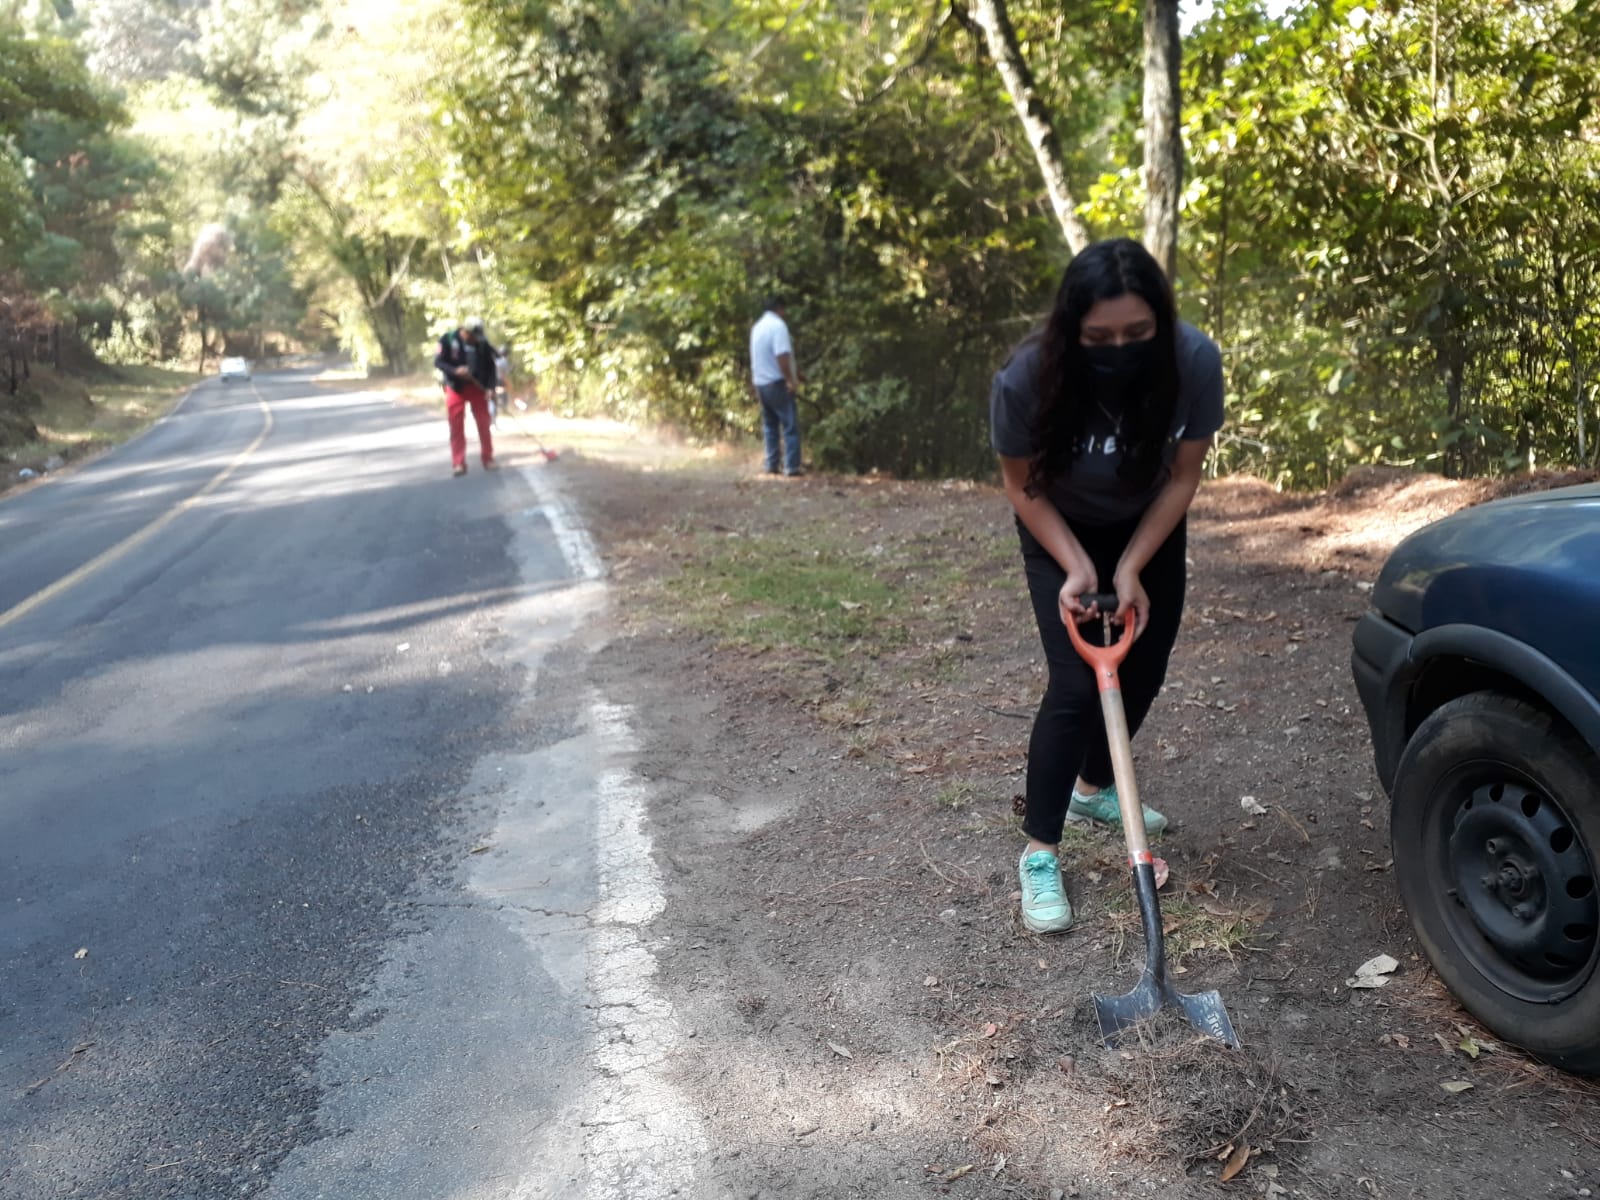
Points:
x=502 y=390
x=776 y=381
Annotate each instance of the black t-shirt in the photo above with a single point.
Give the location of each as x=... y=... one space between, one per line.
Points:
x=1091 y=491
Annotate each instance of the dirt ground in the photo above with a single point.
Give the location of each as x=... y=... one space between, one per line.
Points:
x=835 y=677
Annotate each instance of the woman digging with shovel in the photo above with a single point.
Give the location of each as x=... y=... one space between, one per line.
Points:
x=1102 y=419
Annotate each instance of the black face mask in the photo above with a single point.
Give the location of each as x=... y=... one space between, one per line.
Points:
x=1117 y=370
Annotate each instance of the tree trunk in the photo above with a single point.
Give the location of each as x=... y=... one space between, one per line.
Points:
x=1035 y=117
x=1163 y=133
x=1455 y=456
x=386 y=318
x=396 y=267
x=1219 y=284
x=1577 y=400
x=390 y=326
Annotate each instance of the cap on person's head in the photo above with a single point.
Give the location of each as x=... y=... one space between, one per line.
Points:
x=473 y=323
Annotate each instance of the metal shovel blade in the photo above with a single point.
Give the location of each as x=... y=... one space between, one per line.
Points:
x=1204 y=1010
x=1118 y=1014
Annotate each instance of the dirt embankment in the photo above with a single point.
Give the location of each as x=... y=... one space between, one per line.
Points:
x=59 y=418
x=836 y=677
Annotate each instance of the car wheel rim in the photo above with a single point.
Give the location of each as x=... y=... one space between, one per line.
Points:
x=1519 y=883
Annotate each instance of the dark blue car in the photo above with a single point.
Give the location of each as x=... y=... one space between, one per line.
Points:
x=1479 y=668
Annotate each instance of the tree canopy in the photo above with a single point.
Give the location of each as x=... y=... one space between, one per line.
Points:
x=1386 y=212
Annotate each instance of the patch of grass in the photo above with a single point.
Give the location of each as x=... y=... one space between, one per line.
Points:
x=1191 y=927
x=995 y=820
x=1080 y=841
x=864 y=743
x=946 y=664
x=794 y=588
x=1080 y=847
x=956 y=796
x=850 y=712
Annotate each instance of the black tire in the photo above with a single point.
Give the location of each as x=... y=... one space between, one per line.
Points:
x=1496 y=832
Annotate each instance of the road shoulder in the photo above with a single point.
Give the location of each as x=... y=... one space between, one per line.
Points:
x=834 y=681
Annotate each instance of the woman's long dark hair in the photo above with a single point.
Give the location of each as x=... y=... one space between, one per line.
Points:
x=1103 y=271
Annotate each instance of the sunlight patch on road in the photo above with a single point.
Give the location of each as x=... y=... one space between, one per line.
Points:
x=342 y=402
x=139 y=536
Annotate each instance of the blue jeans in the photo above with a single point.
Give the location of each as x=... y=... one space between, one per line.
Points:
x=779 y=413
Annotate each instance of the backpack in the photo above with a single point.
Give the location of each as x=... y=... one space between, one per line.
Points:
x=456 y=353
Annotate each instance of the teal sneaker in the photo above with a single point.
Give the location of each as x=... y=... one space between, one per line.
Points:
x=1102 y=807
x=1045 y=908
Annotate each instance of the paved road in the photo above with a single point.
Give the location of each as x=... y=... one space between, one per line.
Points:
x=245 y=945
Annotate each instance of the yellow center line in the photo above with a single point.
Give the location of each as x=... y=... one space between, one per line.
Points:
x=143 y=534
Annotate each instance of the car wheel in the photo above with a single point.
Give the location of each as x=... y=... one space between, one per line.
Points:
x=1496 y=832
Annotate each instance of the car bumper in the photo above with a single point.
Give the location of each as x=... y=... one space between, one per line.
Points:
x=1381 y=664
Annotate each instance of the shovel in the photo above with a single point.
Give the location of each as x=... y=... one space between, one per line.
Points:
x=1117 y=1014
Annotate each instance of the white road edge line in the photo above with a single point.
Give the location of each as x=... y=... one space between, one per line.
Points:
x=641 y=1136
x=576 y=545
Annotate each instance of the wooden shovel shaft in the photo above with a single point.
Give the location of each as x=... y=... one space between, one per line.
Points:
x=1121 y=746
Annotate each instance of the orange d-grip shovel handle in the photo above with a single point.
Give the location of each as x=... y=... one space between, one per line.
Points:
x=1104 y=659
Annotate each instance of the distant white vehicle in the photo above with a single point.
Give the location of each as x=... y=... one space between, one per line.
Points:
x=234 y=368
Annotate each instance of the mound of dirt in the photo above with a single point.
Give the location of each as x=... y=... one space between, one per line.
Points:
x=1173 y=1093
x=1353 y=526
x=1369 y=489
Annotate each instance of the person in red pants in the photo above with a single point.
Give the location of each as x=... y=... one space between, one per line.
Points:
x=466 y=362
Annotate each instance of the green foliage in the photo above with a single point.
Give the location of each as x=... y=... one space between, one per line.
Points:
x=795 y=590
x=1394 y=232
x=255 y=55
x=1391 y=223
x=139 y=41
x=84 y=179
x=682 y=170
x=65 y=175
x=45 y=95
x=373 y=211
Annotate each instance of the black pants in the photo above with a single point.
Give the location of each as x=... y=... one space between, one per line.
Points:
x=1069 y=736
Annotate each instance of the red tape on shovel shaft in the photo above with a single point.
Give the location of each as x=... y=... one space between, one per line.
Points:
x=1157 y=864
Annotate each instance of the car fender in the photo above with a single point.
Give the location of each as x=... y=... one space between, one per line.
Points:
x=1532 y=668
x=1381 y=665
